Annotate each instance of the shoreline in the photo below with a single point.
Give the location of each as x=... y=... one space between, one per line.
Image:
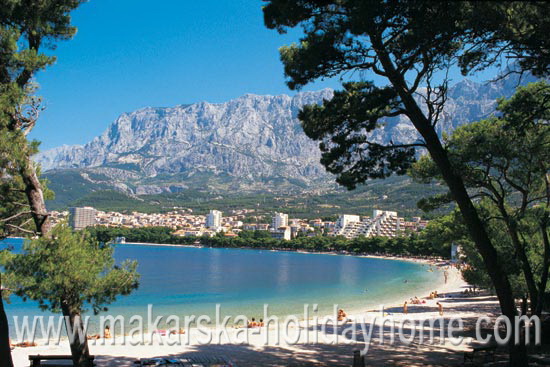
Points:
x=108 y=355
x=437 y=263
x=431 y=260
x=454 y=284
x=123 y=355
x=420 y=259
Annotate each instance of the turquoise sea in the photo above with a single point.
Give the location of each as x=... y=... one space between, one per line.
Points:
x=187 y=281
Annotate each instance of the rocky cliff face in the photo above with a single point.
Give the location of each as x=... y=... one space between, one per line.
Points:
x=252 y=138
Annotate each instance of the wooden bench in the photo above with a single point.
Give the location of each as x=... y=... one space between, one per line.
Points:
x=53 y=360
x=488 y=351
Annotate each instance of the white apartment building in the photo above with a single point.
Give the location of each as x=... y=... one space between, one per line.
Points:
x=345 y=219
x=383 y=223
x=81 y=217
x=214 y=219
x=282 y=233
x=279 y=220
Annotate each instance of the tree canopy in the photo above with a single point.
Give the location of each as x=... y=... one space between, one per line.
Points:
x=413 y=45
x=67 y=272
x=27 y=28
x=69 y=267
x=505 y=160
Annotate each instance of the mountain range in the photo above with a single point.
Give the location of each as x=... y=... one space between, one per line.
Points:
x=253 y=143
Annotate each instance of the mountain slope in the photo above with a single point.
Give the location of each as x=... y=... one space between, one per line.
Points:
x=251 y=136
x=249 y=144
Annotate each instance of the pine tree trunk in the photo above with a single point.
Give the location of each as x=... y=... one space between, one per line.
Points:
x=5 y=351
x=525 y=265
x=35 y=197
x=545 y=268
x=518 y=356
x=476 y=229
x=79 y=348
x=511 y=226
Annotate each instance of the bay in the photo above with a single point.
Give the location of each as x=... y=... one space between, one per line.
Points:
x=186 y=281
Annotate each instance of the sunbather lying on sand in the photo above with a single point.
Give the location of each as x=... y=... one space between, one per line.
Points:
x=252 y=323
x=25 y=344
x=342 y=316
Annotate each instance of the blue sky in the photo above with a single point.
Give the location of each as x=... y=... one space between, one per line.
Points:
x=129 y=54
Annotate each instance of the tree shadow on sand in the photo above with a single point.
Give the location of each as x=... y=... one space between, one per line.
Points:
x=398 y=353
x=317 y=355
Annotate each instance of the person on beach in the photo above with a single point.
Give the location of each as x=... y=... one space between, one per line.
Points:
x=107 y=332
x=175 y=332
x=342 y=316
x=405 y=308
x=252 y=323
x=261 y=323
x=24 y=344
x=440 y=307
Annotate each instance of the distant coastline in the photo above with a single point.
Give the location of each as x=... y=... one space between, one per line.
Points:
x=435 y=261
x=430 y=260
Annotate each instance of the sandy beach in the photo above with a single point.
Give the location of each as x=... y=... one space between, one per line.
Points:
x=315 y=345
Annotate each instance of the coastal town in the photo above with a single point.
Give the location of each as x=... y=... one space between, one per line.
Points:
x=381 y=223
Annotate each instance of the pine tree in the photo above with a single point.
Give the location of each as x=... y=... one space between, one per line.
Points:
x=67 y=272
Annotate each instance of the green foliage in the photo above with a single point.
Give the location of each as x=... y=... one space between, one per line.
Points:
x=477 y=33
x=411 y=44
x=408 y=43
x=26 y=27
x=504 y=161
x=69 y=186
x=337 y=34
x=68 y=268
x=146 y=234
x=505 y=158
x=115 y=201
x=450 y=229
x=342 y=125
x=515 y=29
x=393 y=40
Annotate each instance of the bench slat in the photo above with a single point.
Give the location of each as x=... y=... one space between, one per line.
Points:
x=50 y=360
x=52 y=356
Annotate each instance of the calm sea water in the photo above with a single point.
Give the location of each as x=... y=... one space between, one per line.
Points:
x=191 y=281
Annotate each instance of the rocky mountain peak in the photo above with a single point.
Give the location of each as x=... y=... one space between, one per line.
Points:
x=253 y=138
